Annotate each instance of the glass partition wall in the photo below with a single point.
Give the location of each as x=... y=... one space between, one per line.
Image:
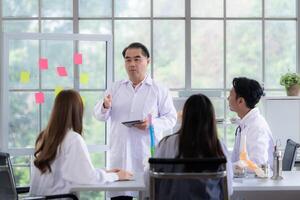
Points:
x=196 y=46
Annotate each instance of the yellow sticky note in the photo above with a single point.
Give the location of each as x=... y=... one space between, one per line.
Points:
x=24 y=77
x=57 y=90
x=84 y=78
x=83 y=100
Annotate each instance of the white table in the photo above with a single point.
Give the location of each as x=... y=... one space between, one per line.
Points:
x=137 y=184
x=244 y=188
x=251 y=187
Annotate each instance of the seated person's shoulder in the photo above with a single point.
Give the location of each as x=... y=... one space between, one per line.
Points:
x=72 y=137
x=167 y=146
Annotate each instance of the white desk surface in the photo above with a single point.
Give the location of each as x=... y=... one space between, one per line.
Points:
x=290 y=181
x=137 y=184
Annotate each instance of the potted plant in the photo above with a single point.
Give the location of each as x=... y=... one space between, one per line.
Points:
x=291 y=82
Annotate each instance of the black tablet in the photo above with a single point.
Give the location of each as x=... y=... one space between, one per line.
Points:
x=132 y=123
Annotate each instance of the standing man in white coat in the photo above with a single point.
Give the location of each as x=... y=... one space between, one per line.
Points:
x=244 y=96
x=134 y=99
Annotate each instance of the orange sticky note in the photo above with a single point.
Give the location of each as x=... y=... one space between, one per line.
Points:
x=84 y=78
x=78 y=58
x=57 y=90
x=24 y=77
x=39 y=97
x=43 y=63
x=61 y=71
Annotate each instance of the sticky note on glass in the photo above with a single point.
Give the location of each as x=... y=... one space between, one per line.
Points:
x=78 y=58
x=57 y=90
x=43 y=63
x=39 y=97
x=83 y=100
x=84 y=78
x=61 y=71
x=24 y=77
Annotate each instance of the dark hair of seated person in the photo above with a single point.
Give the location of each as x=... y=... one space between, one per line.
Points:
x=198 y=132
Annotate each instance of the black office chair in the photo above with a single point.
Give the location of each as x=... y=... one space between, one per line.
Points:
x=188 y=179
x=8 y=189
x=289 y=156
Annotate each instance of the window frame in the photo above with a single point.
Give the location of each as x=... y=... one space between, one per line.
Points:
x=187 y=90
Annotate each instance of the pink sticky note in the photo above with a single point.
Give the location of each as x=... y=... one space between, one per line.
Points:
x=39 y=97
x=61 y=70
x=78 y=58
x=43 y=63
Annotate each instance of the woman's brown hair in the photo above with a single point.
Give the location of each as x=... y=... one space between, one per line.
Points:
x=66 y=114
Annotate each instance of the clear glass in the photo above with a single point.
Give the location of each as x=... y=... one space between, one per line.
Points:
x=204 y=8
x=57 y=8
x=23 y=121
x=275 y=93
x=57 y=26
x=95 y=26
x=207 y=54
x=136 y=31
x=94 y=130
x=280 y=51
x=58 y=53
x=230 y=134
x=244 y=50
x=218 y=104
x=280 y=8
x=25 y=26
x=94 y=64
x=47 y=108
x=169 y=54
x=244 y=8
x=21 y=168
x=166 y=8
x=19 y=8
x=132 y=8
x=95 y=8
x=85 y=195
x=23 y=56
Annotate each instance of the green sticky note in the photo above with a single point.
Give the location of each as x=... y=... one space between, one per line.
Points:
x=57 y=90
x=24 y=77
x=84 y=78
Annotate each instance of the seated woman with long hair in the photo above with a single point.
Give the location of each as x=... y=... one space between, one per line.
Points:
x=61 y=155
x=196 y=138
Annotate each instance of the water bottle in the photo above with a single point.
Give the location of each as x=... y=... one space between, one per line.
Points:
x=277 y=164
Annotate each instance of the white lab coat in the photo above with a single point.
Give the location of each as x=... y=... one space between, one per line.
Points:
x=169 y=149
x=130 y=147
x=71 y=166
x=259 y=140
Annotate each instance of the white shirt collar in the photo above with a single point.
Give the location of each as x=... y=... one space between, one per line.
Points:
x=248 y=117
x=148 y=80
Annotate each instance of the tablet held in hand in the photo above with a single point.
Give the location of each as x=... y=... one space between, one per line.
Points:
x=132 y=123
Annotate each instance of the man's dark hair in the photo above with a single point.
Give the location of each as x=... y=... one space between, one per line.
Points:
x=137 y=45
x=249 y=89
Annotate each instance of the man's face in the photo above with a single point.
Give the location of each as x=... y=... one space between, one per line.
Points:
x=233 y=101
x=136 y=64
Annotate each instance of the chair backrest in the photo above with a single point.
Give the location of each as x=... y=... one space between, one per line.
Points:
x=289 y=156
x=7 y=181
x=199 y=178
